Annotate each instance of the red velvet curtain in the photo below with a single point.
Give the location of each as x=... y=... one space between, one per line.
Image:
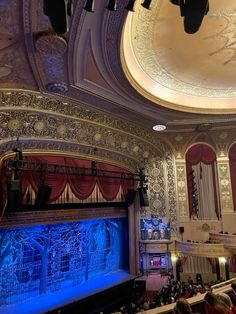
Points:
x=183 y=260
x=82 y=186
x=109 y=187
x=205 y=154
x=212 y=261
x=232 y=164
x=3 y=189
x=232 y=264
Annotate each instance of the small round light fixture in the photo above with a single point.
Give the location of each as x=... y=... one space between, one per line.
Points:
x=57 y=87
x=159 y=127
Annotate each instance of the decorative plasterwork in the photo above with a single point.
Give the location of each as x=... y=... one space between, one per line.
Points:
x=35 y=118
x=14 y=67
x=203 y=249
x=181 y=186
x=228 y=240
x=37 y=104
x=59 y=147
x=226 y=200
x=161 y=189
x=163 y=70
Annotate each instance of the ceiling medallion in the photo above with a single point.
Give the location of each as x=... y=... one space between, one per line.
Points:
x=51 y=44
x=57 y=87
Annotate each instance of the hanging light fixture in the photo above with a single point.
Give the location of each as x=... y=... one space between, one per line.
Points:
x=89 y=6
x=130 y=5
x=111 y=6
x=146 y=4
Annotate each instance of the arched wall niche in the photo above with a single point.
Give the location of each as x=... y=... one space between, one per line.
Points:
x=202 y=182
x=200 y=143
x=203 y=138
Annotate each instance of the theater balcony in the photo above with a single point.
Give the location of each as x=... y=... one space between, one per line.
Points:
x=228 y=240
x=202 y=249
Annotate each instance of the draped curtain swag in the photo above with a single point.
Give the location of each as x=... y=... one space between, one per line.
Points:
x=82 y=186
x=196 y=157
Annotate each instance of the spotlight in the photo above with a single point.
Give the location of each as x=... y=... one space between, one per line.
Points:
x=130 y=5
x=146 y=4
x=193 y=12
x=111 y=6
x=89 y=6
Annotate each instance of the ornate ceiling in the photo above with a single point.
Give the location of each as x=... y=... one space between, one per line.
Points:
x=48 y=81
x=186 y=72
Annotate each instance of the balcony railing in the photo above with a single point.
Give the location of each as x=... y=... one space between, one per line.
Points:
x=202 y=249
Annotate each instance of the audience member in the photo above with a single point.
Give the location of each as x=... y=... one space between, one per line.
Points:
x=182 y=307
x=232 y=294
x=217 y=304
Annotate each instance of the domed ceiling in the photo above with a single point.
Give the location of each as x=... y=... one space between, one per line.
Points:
x=187 y=72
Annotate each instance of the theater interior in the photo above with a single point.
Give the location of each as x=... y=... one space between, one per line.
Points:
x=117 y=151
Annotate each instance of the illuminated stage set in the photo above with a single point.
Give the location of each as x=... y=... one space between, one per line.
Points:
x=51 y=265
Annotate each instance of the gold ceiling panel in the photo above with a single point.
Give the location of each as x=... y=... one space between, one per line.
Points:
x=194 y=73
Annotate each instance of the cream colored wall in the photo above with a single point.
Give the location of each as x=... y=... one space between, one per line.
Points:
x=220 y=141
x=194 y=229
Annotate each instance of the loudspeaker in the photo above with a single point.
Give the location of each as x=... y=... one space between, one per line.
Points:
x=143 y=197
x=130 y=196
x=43 y=195
x=181 y=229
x=14 y=195
x=56 y=11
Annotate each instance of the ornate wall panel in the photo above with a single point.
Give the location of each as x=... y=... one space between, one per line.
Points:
x=181 y=186
x=226 y=200
x=161 y=189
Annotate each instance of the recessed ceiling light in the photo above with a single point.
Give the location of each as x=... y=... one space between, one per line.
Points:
x=159 y=127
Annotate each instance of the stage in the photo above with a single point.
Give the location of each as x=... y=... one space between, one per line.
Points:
x=53 y=301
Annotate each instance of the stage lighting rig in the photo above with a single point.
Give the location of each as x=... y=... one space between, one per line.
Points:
x=193 y=12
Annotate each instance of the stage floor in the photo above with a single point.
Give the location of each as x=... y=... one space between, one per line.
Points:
x=69 y=295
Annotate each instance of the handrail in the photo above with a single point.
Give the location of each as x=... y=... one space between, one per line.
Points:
x=218 y=288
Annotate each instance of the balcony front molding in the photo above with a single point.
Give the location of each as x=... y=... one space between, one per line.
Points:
x=202 y=249
x=228 y=240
